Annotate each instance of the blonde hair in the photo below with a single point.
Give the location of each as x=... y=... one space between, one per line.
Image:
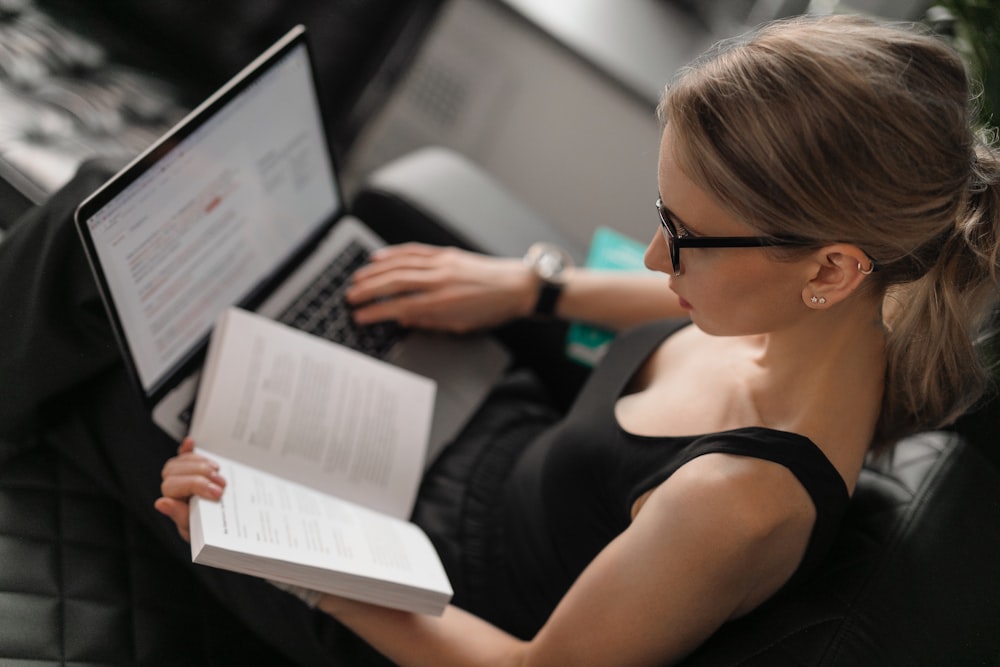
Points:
x=841 y=129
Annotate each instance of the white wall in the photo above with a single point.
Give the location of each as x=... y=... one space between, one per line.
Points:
x=570 y=140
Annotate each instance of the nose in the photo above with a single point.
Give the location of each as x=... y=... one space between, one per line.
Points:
x=657 y=257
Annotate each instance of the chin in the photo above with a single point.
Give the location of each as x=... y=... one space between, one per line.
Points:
x=723 y=328
x=710 y=328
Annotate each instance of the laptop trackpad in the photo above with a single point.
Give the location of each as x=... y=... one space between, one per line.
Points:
x=465 y=368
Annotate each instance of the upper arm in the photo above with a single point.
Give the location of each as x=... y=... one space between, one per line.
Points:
x=712 y=542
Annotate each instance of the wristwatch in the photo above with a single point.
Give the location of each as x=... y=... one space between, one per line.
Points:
x=549 y=263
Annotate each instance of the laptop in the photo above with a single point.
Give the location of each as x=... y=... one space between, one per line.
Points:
x=240 y=204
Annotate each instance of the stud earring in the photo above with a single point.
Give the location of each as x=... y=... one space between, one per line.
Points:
x=817 y=299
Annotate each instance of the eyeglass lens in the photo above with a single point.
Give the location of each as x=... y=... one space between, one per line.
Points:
x=669 y=233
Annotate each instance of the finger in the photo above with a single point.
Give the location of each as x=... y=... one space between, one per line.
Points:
x=182 y=487
x=186 y=446
x=396 y=283
x=178 y=512
x=392 y=257
x=195 y=457
x=192 y=464
x=408 y=256
x=376 y=283
x=397 y=264
x=402 y=309
x=408 y=248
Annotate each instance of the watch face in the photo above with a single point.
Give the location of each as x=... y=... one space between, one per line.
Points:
x=550 y=265
x=549 y=261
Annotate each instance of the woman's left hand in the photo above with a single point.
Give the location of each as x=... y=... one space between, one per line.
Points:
x=185 y=475
x=442 y=288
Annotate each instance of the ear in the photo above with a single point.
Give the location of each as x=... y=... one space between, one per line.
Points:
x=837 y=273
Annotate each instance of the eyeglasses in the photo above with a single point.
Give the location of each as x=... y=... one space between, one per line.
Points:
x=675 y=241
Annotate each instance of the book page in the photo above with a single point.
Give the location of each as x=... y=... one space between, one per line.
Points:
x=314 y=412
x=268 y=526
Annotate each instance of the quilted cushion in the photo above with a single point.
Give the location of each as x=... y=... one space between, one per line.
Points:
x=83 y=583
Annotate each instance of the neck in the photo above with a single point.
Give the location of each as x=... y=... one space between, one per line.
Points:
x=850 y=336
x=824 y=378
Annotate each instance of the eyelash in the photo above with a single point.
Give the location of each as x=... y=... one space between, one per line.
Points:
x=682 y=231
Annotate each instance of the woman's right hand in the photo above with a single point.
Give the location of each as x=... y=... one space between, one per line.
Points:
x=185 y=475
x=446 y=289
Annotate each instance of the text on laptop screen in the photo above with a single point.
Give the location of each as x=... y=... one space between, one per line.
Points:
x=217 y=213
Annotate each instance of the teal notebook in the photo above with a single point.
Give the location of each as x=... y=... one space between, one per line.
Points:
x=609 y=250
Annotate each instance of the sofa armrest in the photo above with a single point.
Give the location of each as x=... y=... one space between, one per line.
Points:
x=438 y=196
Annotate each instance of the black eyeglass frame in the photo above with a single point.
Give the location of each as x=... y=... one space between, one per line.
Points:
x=675 y=242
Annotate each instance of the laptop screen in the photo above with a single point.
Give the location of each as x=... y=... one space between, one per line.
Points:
x=228 y=201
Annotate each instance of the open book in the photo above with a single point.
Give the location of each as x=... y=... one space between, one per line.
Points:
x=322 y=449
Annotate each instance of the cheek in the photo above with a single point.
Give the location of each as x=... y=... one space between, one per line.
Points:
x=733 y=297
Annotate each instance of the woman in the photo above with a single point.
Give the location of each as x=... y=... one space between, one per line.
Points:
x=829 y=224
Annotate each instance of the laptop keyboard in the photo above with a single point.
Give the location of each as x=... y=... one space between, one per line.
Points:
x=322 y=310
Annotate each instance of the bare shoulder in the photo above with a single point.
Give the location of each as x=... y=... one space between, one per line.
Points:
x=711 y=543
x=751 y=489
x=755 y=512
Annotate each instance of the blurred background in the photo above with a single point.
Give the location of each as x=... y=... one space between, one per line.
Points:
x=555 y=98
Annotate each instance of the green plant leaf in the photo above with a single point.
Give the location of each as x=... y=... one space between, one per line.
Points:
x=977 y=33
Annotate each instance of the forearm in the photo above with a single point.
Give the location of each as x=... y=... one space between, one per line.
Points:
x=455 y=290
x=616 y=299
x=414 y=640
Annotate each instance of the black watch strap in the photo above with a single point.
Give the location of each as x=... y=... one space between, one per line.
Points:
x=548 y=297
x=548 y=262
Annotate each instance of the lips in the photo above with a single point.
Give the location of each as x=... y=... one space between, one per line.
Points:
x=684 y=303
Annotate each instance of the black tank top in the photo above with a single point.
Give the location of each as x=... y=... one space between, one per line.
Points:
x=573 y=489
